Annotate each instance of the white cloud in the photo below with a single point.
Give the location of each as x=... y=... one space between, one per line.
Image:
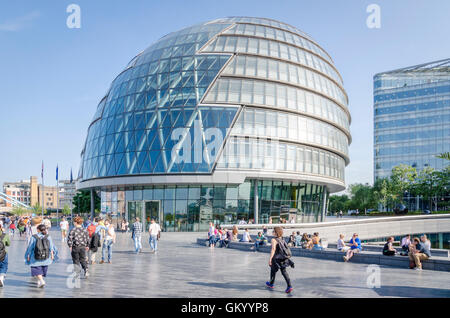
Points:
x=19 y=23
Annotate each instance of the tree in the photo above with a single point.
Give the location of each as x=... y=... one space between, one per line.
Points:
x=66 y=210
x=382 y=192
x=362 y=196
x=425 y=184
x=19 y=211
x=82 y=201
x=37 y=209
x=402 y=178
x=338 y=203
x=445 y=155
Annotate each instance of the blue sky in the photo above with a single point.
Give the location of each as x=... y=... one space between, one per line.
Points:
x=53 y=77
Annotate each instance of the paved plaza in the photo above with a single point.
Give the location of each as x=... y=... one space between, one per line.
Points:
x=184 y=269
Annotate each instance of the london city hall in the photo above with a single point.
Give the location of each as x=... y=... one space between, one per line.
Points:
x=236 y=118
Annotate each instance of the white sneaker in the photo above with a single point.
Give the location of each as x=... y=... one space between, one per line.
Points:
x=418 y=269
x=41 y=283
x=2 y=279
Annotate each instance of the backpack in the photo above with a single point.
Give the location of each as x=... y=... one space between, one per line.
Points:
x=91 y=229
x=2 y=248
x=284 y=249
x=95 y=242
x=42 y=248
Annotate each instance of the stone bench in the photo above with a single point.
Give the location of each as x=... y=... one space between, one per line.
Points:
x=379 y=248
x=365 y=257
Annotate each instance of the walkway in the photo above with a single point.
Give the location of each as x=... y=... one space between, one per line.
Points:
x=184 y=269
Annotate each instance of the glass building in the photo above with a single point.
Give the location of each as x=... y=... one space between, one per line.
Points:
x=236 y=118
x=411 y=117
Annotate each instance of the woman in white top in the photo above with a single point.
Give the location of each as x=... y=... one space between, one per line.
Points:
x=246 y=236
x=110 y=239
x=341 y=244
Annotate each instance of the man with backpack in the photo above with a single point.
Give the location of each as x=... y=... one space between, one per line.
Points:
x=4 y=242
x=95 y=241
x=40 y=253
x=280 y=259
x=78 y=241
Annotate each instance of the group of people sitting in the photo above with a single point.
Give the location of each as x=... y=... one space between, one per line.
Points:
x=417 y=250
x=306 y=241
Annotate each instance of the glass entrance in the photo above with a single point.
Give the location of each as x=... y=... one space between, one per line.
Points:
x=134 y=209
x=152 y=211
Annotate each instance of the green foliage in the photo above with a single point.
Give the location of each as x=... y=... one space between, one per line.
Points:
x=386 y=193
x=339 y=202
x=66 y=210
x=19 y=211
x=362 y=197
x=445 y=155
x=37 y=209
x=82 y=202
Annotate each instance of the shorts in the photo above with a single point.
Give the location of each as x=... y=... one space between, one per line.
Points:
x=356 y=250
x=39 y=270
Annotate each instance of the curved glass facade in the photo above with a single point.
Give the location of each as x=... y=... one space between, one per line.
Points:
x=230 y=102
x=191 y=208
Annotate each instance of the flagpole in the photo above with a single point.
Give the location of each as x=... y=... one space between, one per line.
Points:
x=42 y=175
x=71 y=200
x=57 y=194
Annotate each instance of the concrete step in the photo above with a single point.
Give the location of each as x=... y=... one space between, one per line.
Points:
x=366 y=257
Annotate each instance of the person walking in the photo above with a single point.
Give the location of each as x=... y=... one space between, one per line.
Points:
x=136 y=235
x=154 y=230
x=12 y=229
x=47 y=223
x=64 y=226
x=279 y=259
x=78 y=242
x=110 y=239
x=4 y=242
x=95 y=241
x=40 y=253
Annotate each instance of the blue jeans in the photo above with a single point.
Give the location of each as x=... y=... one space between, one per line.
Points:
x=153 y=242
x=137 y=243
x=107 y=246
x=4 y=265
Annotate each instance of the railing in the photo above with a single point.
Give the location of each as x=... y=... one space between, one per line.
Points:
x=338 y=223
x=13 y=201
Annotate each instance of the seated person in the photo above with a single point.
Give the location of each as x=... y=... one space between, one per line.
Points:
x=418 y=252
x=306 y=241
x=246 y=236
x=388 y=249
x=291 y=241
x=260 y=240
x=316 y=242
x=355 y=247
x=223 y=238
x=298 y=240
x=229 y=236
x=235 y=233
x=341 y=246
x=406 y=241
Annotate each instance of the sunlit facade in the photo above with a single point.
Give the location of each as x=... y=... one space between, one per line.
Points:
x=236 y=118
x=412 y=117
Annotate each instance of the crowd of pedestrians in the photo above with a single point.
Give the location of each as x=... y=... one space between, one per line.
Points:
x=84 y=240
